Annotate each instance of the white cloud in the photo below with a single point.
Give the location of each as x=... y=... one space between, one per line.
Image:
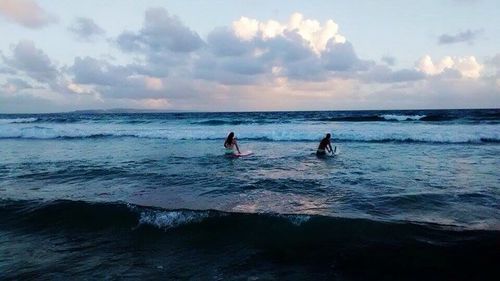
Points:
x=311 y=31
x=246 y=28
x=467 y=66
x=26 y=13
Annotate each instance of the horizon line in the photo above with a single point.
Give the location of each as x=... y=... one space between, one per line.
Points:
x=138 y=110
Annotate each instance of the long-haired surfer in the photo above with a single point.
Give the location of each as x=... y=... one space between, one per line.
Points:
x=230 y=144
x=324 y=146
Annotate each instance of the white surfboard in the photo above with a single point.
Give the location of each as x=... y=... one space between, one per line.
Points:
x=244 y=153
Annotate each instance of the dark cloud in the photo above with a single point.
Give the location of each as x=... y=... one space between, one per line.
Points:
x=116 y=81
x=7 y=70
x=383 y=74
x=342 y=57
x=309 y=69
x=86 y=28
x=467 y=36
x=98 y=72
x=161 y=32
x=20 y=84
x=284 y=49
x=228 y=70
x=164 y=41
x=32 y=61
x=25 y=103
x=245 y=66
x=223 y=42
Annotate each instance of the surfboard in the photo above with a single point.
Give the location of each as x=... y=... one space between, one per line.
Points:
x=243 y=153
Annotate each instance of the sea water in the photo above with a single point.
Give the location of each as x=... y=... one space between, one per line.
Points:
x=151 y=195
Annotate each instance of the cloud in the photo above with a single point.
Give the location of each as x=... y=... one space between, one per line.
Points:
x=7 y=70
x=467 y=36
x=161 y=32
x=88 y=70
x=33 y=62
x=14 y=85
x=315 y=34
x=26 y=13
x=301 y=49
x=389 y=60
x=467 y=66
x=383 y=74
x=495 y=61
x=250 y=64
x=163 y=43
x=342 y=57
x=86 y=28
x=123 y=81
x=223 y=42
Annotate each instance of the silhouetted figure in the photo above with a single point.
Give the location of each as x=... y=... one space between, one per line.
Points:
x=230 y=144
x=324 y=146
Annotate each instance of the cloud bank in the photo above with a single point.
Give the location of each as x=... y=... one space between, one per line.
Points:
x=296 y=64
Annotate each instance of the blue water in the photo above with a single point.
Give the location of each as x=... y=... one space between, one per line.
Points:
x=151 y=195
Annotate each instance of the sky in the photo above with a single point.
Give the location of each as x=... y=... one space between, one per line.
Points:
x=193 y=55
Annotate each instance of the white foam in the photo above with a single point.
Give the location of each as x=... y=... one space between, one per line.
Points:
x=171 y=219
x=18 y=120
x=346 y=131
x=402 y=117
x=298 y=220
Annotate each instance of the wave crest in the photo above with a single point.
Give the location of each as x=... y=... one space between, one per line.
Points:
x=18 y=120
x=171 y=219
x=402 y=117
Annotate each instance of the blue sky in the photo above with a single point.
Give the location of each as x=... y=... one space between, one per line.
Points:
x=247 y=55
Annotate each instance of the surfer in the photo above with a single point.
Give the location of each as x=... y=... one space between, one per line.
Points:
x=230 y=144
x=324 y=146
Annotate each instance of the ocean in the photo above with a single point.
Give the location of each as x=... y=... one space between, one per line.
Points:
x=412 y=195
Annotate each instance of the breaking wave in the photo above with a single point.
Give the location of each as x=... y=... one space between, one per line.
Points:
x=268 y=132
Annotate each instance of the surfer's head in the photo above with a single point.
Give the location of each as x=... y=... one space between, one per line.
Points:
x=229 y=139
x=328 y=136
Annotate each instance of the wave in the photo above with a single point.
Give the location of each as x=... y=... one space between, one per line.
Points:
x=18 y=120
x=370 y=118
x=90 y=214
x=217 y=122
x=392 y=118
x=403 y=117
x=220 y=122
x=281 y=132
x=227 y=118
x=251 y=242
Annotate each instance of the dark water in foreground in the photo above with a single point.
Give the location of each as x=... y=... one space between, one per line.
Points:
x=412 y=195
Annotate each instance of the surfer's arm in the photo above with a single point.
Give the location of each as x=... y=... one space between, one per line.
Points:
x=237 y=148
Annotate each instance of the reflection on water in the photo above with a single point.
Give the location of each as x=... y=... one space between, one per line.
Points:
x=454 y=183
